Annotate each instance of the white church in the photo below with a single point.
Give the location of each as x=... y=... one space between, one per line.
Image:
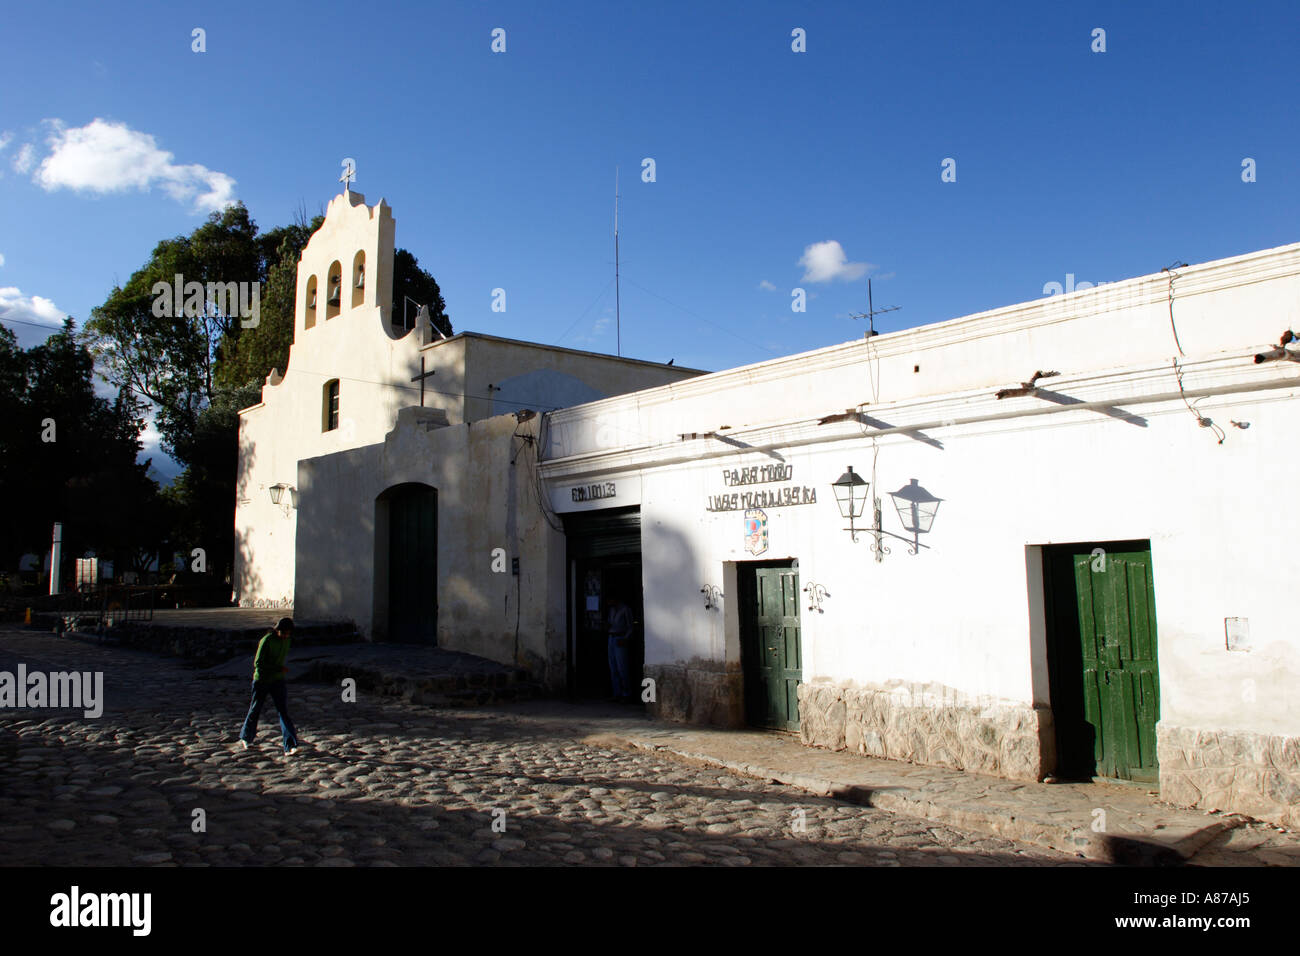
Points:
x=373 y=474
x=1051 y=539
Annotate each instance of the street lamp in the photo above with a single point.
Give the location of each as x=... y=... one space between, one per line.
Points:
x=277 y=492
x=851 y=497
x=916 y=510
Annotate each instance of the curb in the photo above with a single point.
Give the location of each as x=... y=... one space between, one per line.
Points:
x=1128 y=850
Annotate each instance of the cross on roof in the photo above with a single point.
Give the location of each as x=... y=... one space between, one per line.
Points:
x=420 y=378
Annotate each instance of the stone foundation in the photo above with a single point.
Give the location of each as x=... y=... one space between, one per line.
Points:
x=699 y=692
x=919 y=726
x=1254 y=774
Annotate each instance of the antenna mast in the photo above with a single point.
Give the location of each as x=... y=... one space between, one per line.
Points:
x=618 y=318
x=872 y=312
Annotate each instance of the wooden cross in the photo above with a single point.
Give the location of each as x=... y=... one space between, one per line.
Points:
x=420 y=378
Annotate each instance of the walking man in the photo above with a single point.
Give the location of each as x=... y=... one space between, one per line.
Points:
x=268 y=678
x=620 y=637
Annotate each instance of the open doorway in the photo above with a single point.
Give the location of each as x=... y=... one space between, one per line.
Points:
x=604 y=549
x=1099 y=603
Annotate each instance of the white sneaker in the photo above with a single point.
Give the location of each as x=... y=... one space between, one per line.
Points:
x=243 y=744
x=291 y=751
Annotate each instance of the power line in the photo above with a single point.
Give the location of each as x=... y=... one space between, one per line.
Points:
x=696 y=315
x=39 y=325
x=575 y=322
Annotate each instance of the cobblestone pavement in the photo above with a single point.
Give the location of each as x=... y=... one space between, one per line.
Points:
x=380 y=782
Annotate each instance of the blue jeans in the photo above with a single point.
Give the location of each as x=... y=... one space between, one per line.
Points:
x=618 y=666
x=276 y=689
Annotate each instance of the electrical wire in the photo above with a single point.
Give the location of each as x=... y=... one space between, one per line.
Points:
x=1172 y=276
x=575 y=322
x=696 y=315
x=1178 y=369
x=1200 y=419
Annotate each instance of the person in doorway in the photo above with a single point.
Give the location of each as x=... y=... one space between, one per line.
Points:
x=269 y=668
x=620 y=640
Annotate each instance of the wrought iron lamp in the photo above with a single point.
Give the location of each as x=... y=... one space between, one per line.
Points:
x=850 y=497
x=916 y=510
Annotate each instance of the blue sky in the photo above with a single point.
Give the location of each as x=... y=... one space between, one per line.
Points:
x=500 y=166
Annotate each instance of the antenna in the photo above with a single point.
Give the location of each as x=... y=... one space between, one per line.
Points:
x=618 y=317
x=872 y=312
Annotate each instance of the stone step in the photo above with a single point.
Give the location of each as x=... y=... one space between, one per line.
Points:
x=208 y=646
x=491 y=684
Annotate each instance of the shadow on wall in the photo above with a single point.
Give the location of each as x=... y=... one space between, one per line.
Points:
x=246 y=582
x=333 y=549
x=686 y=646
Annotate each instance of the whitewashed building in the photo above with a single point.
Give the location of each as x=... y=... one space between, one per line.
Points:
x=369 y=472
x=1075 y=557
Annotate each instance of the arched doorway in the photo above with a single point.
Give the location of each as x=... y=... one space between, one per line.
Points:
x=406 y=522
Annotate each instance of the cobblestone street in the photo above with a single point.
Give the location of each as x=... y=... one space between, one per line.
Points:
x=380 y=782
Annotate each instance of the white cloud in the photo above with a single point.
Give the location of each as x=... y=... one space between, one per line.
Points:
x=5 y=139
x=767 y=286
x=104 y=157
x=597 y=329
x=25 y=159
x=826 y=261
x=2 y=259
x=14 y=306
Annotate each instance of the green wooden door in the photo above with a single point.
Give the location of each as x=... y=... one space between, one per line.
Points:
x=413 y=565
x=1114 y=600
x=770 y=647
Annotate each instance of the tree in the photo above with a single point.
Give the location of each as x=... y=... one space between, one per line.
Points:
x=410 y=280
x=68 y=455
x=16 y=447
x=169 y=359
x=250 y=357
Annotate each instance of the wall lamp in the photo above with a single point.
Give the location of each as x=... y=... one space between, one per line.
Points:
x=277 y=496
x=916 y=510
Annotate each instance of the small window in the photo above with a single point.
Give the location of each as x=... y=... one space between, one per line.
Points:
x=330 y=418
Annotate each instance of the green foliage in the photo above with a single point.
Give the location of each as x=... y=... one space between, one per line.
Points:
x=167 y=359
x=257 y=350
x=410 y=280
x=87 y=476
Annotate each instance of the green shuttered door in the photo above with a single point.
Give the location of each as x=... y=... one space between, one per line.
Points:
x=1113 y=632
x=770 y=651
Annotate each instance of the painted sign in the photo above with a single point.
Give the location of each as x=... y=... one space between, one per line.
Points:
x=611 y=491
x=604 y=489
x=757 y=475
x=755 y=531
x=764 y=498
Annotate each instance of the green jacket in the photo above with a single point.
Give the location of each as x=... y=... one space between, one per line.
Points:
x=269 y=663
